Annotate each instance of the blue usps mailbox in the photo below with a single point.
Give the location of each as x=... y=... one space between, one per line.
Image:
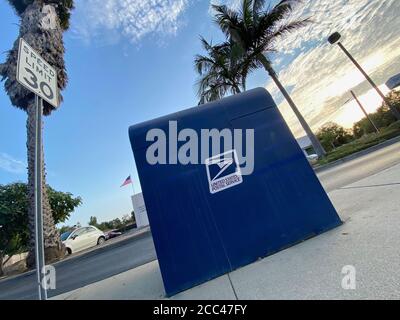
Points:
x=225 y=184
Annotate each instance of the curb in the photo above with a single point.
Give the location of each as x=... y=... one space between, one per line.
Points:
x=357 y=154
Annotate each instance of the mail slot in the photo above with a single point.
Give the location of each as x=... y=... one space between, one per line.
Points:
x=233 y=201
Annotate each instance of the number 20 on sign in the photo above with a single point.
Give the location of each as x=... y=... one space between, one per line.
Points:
x=36 y=74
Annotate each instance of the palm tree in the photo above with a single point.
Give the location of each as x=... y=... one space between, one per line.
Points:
x=222 y=70
x=256 y=30
x=42 y=25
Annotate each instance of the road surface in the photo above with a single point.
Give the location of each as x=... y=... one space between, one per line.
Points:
x=85 y=269
x=359 y=168
x=101 y=264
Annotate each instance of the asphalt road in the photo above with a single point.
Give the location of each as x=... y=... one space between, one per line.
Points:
x=82 y=270
x=359 y=168
x=100 y=264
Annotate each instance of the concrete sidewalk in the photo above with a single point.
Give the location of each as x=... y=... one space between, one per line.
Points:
x=369 y=240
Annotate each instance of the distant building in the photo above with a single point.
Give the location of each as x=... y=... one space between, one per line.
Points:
x=306 y=145
x=393 y=82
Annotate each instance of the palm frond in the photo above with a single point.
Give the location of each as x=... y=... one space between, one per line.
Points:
x=289 y=27
x=258 y=6
x=251 y=32
x=19 y=5
x=212 y=92
x=202 y=63
x=226 y=18
x=221 y=70
x=206 y=45
x=278 y=13
x=247 y=14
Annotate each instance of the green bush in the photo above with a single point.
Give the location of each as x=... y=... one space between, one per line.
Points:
x=382 y=118
x=332 y=135
x=339 y=143
x=14 y=220
x=362 y=143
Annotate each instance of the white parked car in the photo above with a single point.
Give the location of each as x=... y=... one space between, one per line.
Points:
x=82 y=238
x=312 y=158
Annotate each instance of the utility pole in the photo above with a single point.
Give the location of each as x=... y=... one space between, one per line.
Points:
x=364 y=111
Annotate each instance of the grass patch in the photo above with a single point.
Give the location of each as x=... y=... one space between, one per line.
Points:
x=363 y=143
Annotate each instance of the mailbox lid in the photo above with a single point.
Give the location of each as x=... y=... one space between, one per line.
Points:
x=205 y=116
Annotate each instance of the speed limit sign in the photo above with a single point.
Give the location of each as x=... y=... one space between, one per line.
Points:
x=39 y=77
x=36 y=75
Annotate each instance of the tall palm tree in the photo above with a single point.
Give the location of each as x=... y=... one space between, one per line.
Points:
x=42 y=25
x=223 y=69
x=256 y=29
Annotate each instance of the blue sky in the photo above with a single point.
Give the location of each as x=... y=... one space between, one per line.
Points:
x=130 y=61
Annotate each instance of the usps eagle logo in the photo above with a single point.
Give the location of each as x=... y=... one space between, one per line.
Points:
x=223 y=171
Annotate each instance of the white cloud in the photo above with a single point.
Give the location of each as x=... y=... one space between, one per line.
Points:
x=9 y=164
x=109 y=20
x=320 y=73
x=233 y=4
x=351 y=18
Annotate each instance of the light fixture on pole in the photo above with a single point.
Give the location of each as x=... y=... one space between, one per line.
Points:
x=334 y=39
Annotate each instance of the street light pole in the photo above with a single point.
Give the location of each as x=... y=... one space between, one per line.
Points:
x=334 y=39
x=364 y=111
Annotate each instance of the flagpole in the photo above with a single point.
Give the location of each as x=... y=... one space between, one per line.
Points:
x=133 y=206
x=133 y=188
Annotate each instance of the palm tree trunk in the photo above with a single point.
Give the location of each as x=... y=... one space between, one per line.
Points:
x=54 y=249
x=319 y=149
x=1 y=263
x=41 y=28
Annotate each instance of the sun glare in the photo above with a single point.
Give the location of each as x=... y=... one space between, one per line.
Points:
x=351 y=112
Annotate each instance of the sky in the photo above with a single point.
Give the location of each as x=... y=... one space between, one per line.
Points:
x=129 y=61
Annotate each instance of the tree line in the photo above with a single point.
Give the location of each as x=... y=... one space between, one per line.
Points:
x=333 y=135
x=14 y=216
x=115 y=224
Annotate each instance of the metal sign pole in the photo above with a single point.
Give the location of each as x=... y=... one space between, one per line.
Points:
x=39 y=239
x=39 y=77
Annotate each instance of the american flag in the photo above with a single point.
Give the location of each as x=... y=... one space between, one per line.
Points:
x=127 y=181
